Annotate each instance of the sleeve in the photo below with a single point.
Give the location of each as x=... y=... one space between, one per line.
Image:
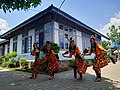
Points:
x=77 y=50
x=38 y=48
x=45 y=58
x=53 y=53
x=100 y=47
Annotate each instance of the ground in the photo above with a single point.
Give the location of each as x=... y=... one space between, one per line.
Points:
x=17 y=80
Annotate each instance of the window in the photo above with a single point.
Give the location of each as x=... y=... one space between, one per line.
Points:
x=61 y=41
x=61 y=26
x=39 y=36
x=15 y=44
x=66 y=28
x=64 y=36
x=70 y=30
x=26 y=43
x=74 y=32
x=66 y=41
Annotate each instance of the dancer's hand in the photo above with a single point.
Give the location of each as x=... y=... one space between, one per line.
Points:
x=63 y=54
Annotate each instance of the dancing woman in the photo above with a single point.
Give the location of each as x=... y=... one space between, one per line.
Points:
x=80 y=64
x=36 y=66
x=100 y=60
x=51 y=60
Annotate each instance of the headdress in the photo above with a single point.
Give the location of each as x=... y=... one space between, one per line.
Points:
x=71 y=40
x=47 y=43
x=92 y=37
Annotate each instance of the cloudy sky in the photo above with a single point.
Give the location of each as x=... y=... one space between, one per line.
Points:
x=98 y=14
x=3 y=26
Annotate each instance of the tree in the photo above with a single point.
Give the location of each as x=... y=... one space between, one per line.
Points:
x=11 y=5
x=106 y=44
x=114 y=36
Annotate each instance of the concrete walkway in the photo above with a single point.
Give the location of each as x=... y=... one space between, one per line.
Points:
x=15 y=80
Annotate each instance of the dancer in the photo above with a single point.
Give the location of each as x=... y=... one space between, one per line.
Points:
x=36 y=65
x=80 y=64
x=100 y=61
x=51 y=60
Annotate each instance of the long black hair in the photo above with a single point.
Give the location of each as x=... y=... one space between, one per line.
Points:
x=93 y=47
x=70 y=48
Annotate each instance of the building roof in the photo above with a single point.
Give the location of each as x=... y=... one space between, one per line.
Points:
x=3 y=42
x=50 y=9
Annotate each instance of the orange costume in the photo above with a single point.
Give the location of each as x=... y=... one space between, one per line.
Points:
x=80 y=64
x=52 y=62
x=100 y=60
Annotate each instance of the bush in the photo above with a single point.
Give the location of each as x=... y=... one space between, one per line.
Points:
x=11 y=64
x=4 y=64
x=23 y=63
x=71 y=63
x=6 y=59
x=13 y=54
x=17 y=64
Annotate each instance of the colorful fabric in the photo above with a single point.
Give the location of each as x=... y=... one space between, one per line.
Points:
x=53 y=63
x=81 y=65
x=100 y=59
x=35 y=68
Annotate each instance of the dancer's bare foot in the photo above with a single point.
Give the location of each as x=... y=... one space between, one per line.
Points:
x=80 y=78
x=51 y=77
x=32 y=77
x=97 y=80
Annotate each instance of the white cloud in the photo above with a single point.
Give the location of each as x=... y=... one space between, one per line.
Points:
x=113 y=21
x=4 y=27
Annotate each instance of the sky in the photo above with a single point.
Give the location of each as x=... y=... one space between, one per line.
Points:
x=98 y=14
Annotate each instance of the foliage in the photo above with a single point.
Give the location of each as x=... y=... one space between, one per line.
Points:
x=9 y=56
x=54 y=46
x=11 y=64
x=106 y=57
x=23 y=63
x=11 y=5
x=13 y=54
x=106 y=44
x=4 y=64
x=6 y=58
x=71 y=62
x=114 y=34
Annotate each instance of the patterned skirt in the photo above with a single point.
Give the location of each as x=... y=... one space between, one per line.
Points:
x=100 y=61
x=53 y=65
x=36 y=66
x=81 y=65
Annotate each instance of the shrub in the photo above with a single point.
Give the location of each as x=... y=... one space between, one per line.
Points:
x=4 y=64
x=13 y=54
x=17 y=64
x=11 y=64
x=71 y=63
x=6 y=57
x=23 y=63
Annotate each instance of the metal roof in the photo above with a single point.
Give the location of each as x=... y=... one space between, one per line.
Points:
x=50 y=9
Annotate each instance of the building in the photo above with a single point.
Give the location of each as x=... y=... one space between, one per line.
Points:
x=50 y=24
